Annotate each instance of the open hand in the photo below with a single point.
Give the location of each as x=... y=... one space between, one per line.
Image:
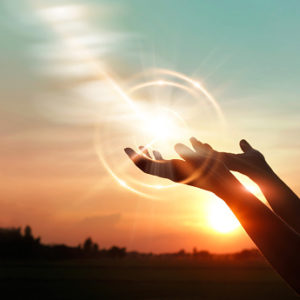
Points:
x=202 y=168
x=250 y=163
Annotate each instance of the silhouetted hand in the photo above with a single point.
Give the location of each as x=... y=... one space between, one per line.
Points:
x=250 y=163
x=202 y=168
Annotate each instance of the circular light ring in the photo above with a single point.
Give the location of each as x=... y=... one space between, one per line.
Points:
x=112 y=173
x=194 y=91
x=195 y=84
x=162 y=83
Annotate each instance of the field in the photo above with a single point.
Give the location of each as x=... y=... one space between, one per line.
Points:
x=140 y=279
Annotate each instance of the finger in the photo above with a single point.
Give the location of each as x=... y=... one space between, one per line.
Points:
x=145 y=164
x=207 y=147
x=139 y=160
x=245 y=146
x=199 y=146
x=185 y=152
x=145 y=151
x=157 y=155
x=135 y=157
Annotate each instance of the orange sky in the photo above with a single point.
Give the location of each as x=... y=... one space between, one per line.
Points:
x=52 y=101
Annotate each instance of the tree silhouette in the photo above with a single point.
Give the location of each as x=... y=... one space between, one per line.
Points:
x=95 y=247
x=115 y=252
x=87 y=245
x=28 y=232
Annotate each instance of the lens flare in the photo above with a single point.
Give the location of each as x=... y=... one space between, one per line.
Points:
x=161 y=112
x=155 y=108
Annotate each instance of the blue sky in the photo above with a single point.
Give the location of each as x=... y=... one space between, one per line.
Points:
x=249 y=40
x=246 y=53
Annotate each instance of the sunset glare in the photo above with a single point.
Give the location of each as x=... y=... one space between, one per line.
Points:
x=221 y=219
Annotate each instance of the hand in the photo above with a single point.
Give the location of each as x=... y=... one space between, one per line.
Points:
x=250 y=163
x=201 y=168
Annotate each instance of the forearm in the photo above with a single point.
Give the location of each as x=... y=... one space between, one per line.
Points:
x=281 y=198
x=278 y=243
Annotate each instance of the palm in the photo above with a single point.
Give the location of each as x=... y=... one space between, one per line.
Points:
x=250 y=163
x=203 y=170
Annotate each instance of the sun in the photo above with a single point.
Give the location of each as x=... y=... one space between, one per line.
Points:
x=220 y=217
x=160 y=126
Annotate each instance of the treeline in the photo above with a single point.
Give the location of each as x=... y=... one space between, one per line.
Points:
x=15 y=244
x=23 y=245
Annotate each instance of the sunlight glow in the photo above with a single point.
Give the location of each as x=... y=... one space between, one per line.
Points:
x=220 y=217
x=253 y=188
x=160 y=127
x=145 y=118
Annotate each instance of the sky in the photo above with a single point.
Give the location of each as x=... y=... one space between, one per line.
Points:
x=64 y=122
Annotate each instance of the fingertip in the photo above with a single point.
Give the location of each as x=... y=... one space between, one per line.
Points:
x=178 y=146
x=157 y=155
x=180 y=149
x=242 y=145
x=245 y=146
x=207 y=147
x=129 y=151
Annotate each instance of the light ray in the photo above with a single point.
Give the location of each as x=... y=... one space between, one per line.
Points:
x=56 y=16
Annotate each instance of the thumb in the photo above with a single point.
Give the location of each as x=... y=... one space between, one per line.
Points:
x=245 y=146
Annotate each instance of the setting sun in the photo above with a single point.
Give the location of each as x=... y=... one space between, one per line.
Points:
x=220 y=217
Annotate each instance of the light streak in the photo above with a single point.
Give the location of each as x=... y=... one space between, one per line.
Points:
x=56 y=17
x=69 y=11
x=162 y=83
x=196 y=85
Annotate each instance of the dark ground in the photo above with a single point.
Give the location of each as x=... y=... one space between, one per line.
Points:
x=140 y=279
